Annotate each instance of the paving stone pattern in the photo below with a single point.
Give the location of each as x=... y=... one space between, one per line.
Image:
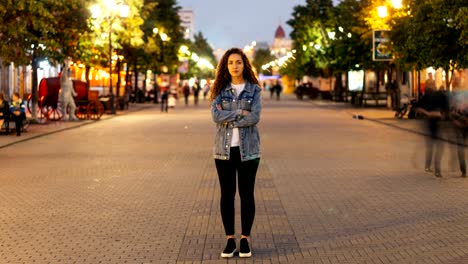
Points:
x=142 y=188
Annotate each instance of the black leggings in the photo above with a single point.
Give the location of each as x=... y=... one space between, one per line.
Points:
x=18 y=122
x=246 y=172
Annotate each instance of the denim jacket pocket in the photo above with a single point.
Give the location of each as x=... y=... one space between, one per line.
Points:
x=246 y=103
x=226 y=104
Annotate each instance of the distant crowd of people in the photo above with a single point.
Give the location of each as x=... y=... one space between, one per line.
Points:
x=274 y=88
x=169 y=96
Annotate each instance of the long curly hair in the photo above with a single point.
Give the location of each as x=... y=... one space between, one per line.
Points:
x=223 y=77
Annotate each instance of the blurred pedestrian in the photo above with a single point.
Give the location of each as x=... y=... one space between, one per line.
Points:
x=434 y=105
x=459 y=117
x=272 y=91
x=186 y=91
x=430 y=82
x=206 y=89
x=277 y=88
x=4 y=113
x=235 y=108
x=164 y=91
x=196 y=91
x=156 y=92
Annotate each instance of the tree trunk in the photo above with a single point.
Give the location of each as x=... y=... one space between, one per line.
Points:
x=34 y=82
x=119 y=80
x=127 y=81
x=87 y=70
x=338 y=87
x=155 y=89
x=363 y=88
x=418 y=76
x=397 y=88
x=137 y=91
x=448 y=78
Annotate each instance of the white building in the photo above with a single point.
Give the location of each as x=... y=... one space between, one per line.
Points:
x=187 y=22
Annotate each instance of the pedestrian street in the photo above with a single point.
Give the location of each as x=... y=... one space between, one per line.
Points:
x=142 y=188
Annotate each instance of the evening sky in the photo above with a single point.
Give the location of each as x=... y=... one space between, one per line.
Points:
x=236 y=23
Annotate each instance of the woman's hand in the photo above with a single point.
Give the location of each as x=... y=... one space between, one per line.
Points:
x=219 y=107
x=245 y=112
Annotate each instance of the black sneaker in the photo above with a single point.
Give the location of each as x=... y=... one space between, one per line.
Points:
x=438 y=174
x=230 y=249
x=244 y=249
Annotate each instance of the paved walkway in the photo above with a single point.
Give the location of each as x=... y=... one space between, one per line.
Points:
x=142 y=188
x=376 y=114
x=51 y=127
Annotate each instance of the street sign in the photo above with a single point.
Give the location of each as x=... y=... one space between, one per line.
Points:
x=183 y=66
x=380 y=46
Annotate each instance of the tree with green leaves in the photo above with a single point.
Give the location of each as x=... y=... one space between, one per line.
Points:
x=431 y=36
x=310 y=26
x=33 y=30
x=262 y=57
x=203 y=49
x=161 y=17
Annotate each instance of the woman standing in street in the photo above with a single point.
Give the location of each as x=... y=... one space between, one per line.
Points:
x=235 y=108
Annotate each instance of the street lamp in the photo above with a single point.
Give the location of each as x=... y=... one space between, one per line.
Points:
x=111 y=11
x=382 y=11
x=164 y=38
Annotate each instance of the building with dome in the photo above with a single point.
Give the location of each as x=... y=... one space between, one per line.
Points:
x=281 y=45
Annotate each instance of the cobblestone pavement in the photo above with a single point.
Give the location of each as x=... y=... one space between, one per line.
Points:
x=142 y=188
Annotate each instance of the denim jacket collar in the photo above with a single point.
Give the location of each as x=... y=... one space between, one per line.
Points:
x=249 y=87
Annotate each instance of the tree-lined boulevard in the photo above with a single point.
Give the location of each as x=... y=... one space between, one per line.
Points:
x=142 y=188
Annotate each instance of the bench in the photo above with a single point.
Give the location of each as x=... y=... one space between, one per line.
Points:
x=9 y=125
x=374 y=97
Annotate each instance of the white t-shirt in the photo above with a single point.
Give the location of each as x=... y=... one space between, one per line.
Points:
x=235 y=131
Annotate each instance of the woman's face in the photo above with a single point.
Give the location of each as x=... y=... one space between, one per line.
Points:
x=235 y=65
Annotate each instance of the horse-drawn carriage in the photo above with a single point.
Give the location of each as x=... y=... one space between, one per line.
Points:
x=87 y=102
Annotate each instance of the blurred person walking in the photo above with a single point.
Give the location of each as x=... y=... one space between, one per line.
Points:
x=206 y=89
x=186 y=92
x=277 y=88
x=272 y=90
x=164 y=91
x=459 y=117
x=196 y=91
x=235 y=108
x=434 y=105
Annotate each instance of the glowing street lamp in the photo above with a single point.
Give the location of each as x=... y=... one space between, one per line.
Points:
x=164 y=37
x=111 y=12
x=382 y=11
x=397 y=4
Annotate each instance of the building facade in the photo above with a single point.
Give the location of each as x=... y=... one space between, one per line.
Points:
x=187 y=22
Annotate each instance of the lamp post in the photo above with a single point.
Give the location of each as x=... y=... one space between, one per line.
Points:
x=393 y=83
x=112 y=11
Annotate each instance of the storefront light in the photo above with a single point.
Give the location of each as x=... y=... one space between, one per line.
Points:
x=44 y=64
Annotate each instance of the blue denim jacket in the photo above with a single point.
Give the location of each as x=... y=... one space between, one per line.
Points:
x=230 y=116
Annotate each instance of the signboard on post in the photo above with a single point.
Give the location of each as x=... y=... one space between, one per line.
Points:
x=380 y=46
x=183 y=66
